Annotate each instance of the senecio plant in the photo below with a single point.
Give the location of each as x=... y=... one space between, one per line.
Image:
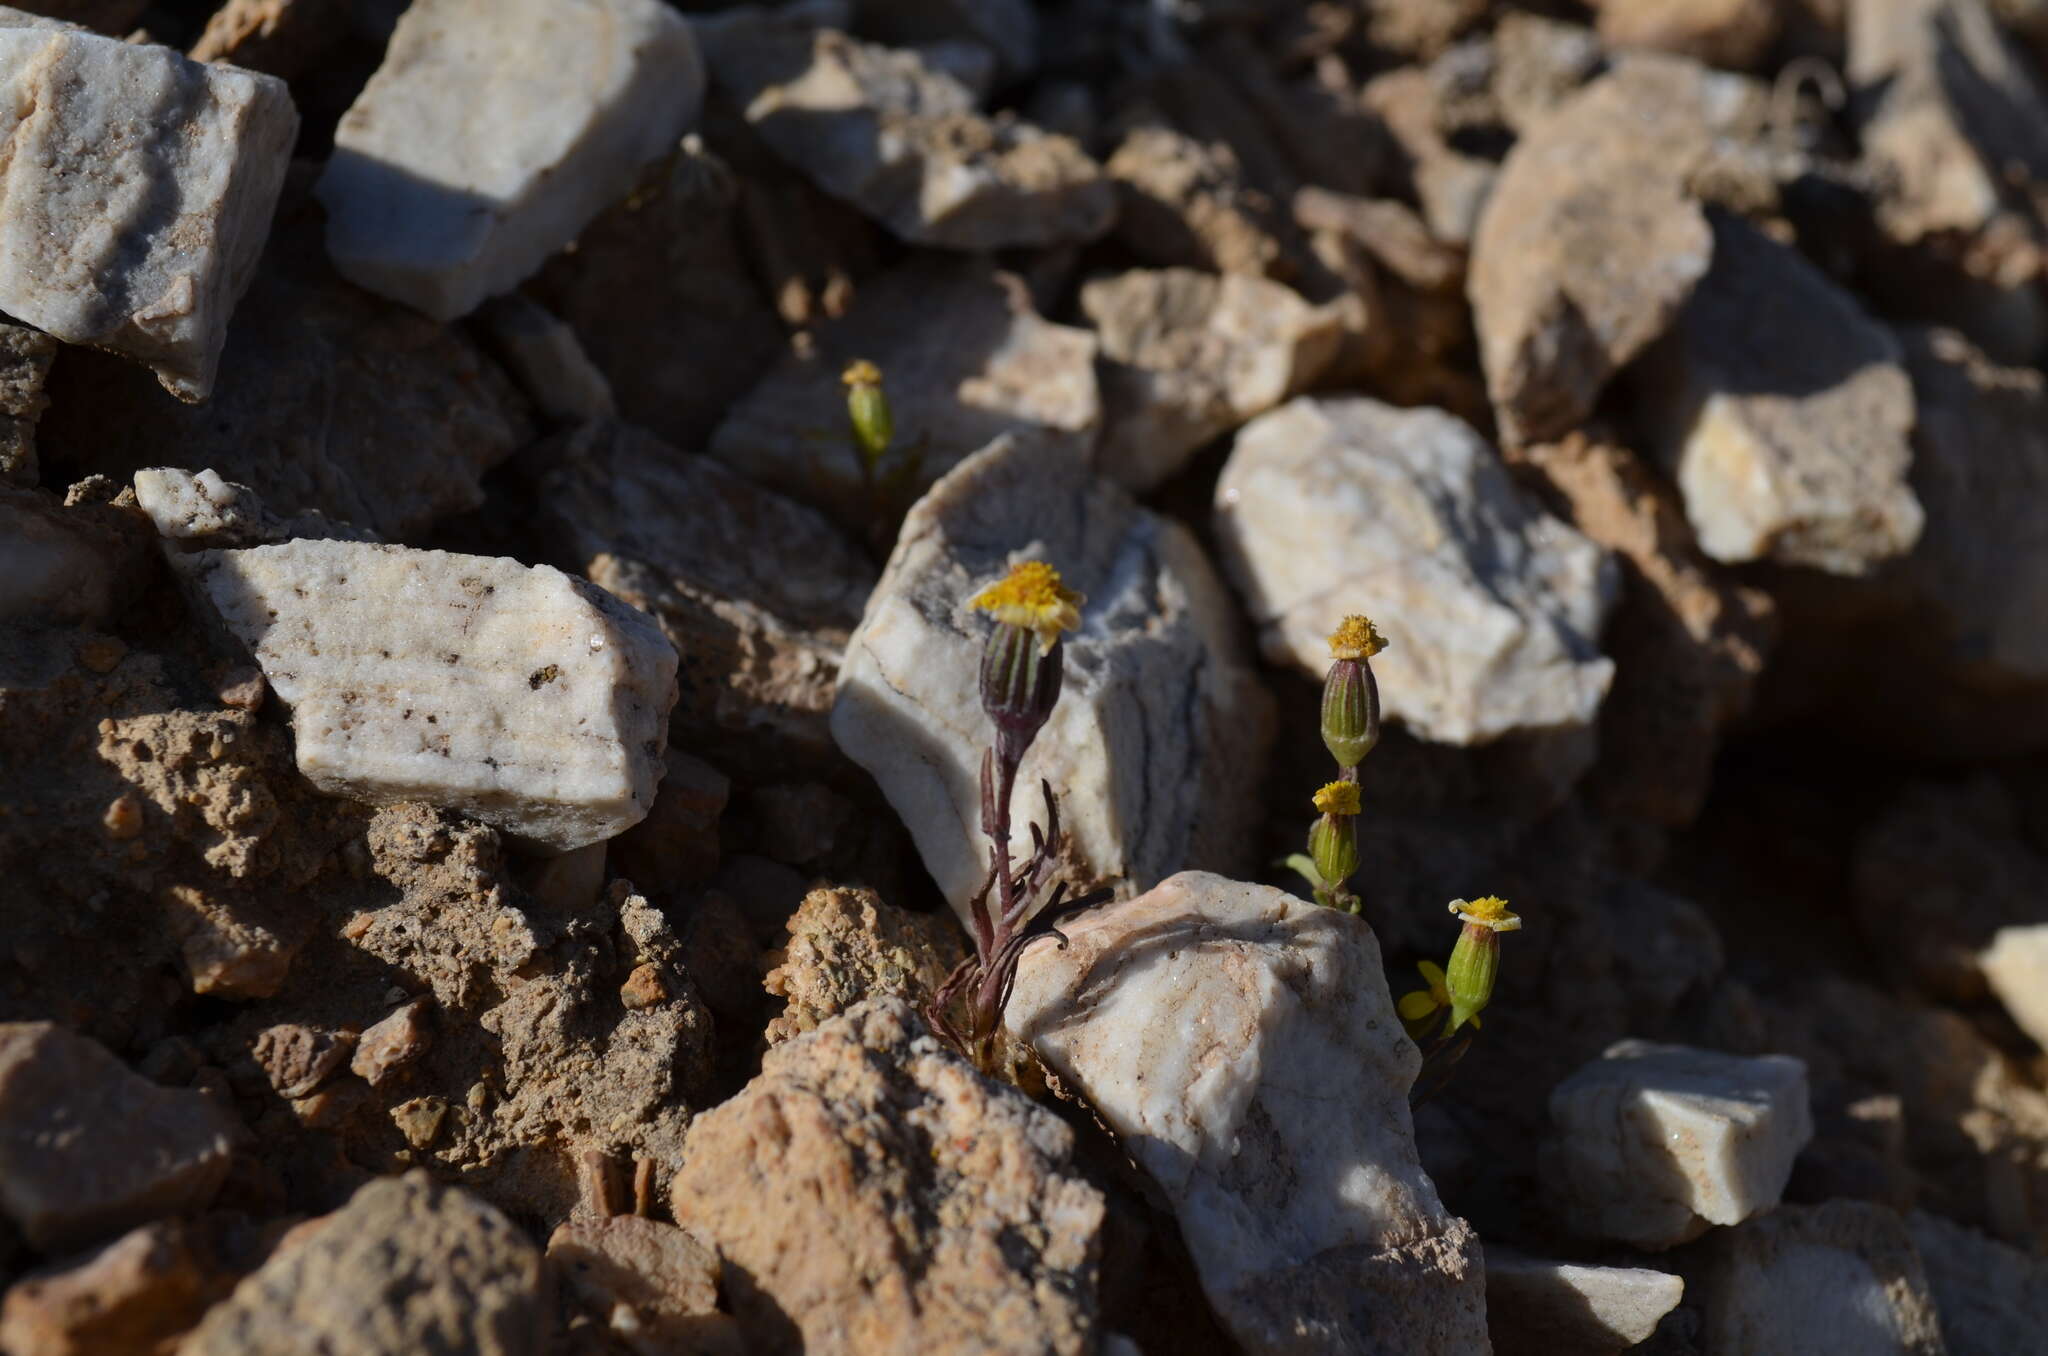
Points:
x=1463 y=987
x=888 y=474
x=1022 y=667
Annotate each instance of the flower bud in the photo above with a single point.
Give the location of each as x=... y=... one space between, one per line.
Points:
x=1351 y=712
x=1020 y=685
x=1333 y=847
x=1475 y=960
x=867 y=409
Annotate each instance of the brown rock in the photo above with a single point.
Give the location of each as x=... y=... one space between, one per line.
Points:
x=846 y=946
x=1590 y=242
x=298 y=1059
x=68 y=565
x=868 y=1129
x=1733 y=34
x=278 y=37
x=406 y=1266
x=643 y=988
x=664 y=1281
x=25 y=357
x=88 y=1149
x=677 y=844
x=392 y=1043
x=135 y=1294
x=1186 y=205
x=1687 y=643
x=233 y=946
x=1451 y=185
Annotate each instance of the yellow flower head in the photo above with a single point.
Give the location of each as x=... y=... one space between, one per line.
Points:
x=1338 y=798
x=1488 y=911
x=1031 y=596
x=861 y=372
x=1356 y=638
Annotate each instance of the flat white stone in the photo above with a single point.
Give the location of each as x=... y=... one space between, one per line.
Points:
x=1492 y=608
x=1654 y=1143
x=2015 y=965
x=493 y=132
x=525 y=697
x=1243 y=1045
x=1161 y=725
x=1536 y=1305
x=136 y=190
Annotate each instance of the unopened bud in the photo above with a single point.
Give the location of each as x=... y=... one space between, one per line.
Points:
x=1475 y=960
x=867 y=409
x=1351 y=712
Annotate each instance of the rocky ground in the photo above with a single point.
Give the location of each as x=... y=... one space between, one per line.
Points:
x=485 y=779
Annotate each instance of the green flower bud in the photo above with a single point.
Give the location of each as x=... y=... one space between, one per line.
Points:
x=867 y=409
x=1020 y=685
x=1475 y=960
x=1351 y=712
x=1333 y=846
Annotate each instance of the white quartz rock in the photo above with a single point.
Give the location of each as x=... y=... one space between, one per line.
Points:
x=1161 y=727
x=1839 y=1279
x=1538 y=1306
x=1654 y=1143
x=1783 y=411
x=138 y=189
x=1491 y=608
x=203 y=509
x=2015 y=965
x=493 y=132
x=525 y=697
x=1243 y=1045
x=1189 y=355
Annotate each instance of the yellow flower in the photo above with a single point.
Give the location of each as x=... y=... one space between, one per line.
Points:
x=1031 y=596
x=1419 y=1009
x=861 y=372
x=1487 y=911
x=1356 y=638
x=1338 y=798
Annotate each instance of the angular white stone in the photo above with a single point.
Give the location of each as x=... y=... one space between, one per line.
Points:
x=1535 y=1305
x=525 y=697
x=1189 y=355
x=1243 y=1045
x=1839 y=1279
x=1161 y=725
x=1653 y=1143
x=136 y=189
x=1783 y=411
x=2016 y=967
x=202 y=508
x=1491 y=607
x=493 y=132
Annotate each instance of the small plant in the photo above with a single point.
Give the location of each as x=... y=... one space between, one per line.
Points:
x=1022 y=668
x=888 y=475
x=1462 y=989
x=1351 y=727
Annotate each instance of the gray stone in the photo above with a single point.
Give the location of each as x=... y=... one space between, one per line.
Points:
x=203 y=510
x=492 y=133
x=407 y=1266
x=139 y=188
x=61 y=565
x=1161 y=724
x=1009 y=28
x=1782 y=412
x=1651 y=1144
x=1592 y=240
x=1993 y=1299
x=880 y=129
x=1535 y=1307
x=1243 y=1046
x=1840 y=1279
x=1187 y=356
x=1491 y=608
x=89 y=1149
x=964 y=359
x=534 y=701
x=869 y=1192
x=548 y=361
x=760 y=632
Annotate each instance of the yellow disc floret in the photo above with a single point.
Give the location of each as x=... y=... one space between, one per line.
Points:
x=1338 y=798
x=861 y=372
x=1356 y=638
x=1488 y=911
x=1031 y=596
